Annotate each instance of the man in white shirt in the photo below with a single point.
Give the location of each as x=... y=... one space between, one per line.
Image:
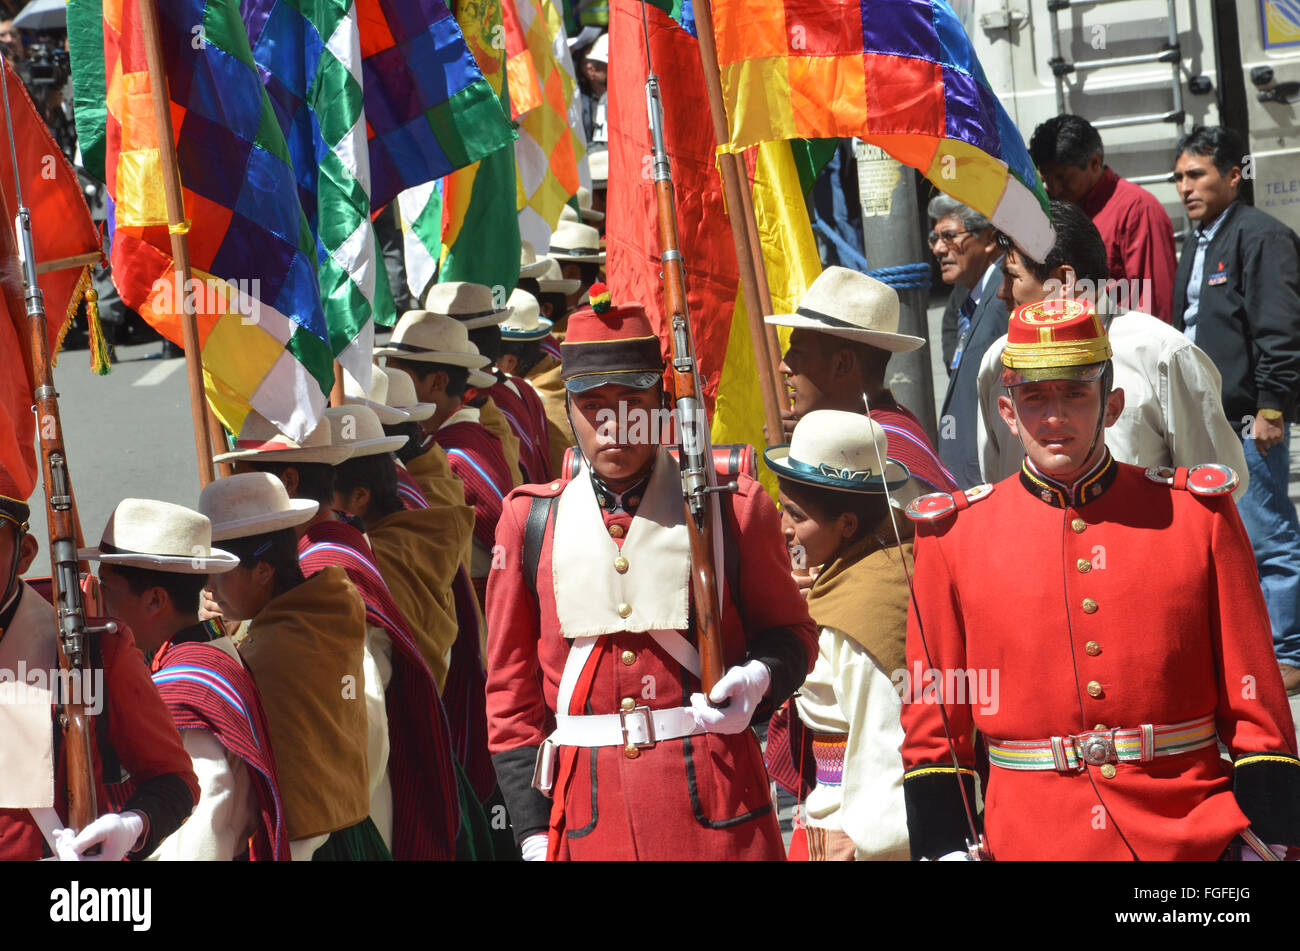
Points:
x=1173 y=412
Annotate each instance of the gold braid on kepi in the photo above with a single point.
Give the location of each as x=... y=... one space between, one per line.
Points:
x=1054 y=339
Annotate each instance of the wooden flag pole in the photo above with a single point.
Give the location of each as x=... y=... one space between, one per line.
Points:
x=760 y=268
x=336 y=394
x=734 y=195
x=177 y=227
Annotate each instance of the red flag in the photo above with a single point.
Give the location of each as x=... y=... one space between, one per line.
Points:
x=703 y=231
x=61 y=229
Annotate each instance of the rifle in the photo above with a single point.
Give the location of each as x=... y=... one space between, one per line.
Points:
x=74 y=634
x=699 y=478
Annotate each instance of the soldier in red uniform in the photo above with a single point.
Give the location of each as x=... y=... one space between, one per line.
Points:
x=140 y=739
x=593 y=588
x=1115 y=636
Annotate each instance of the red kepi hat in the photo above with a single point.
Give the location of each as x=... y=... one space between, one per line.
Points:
x=1054 y=340
x=607 y=344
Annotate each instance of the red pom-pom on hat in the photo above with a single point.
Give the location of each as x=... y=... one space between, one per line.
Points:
x=600 y=298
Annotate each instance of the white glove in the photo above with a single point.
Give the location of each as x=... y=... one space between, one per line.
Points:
x=534 y=847
x=745 y=687
x=954 y=857
x=115 y=833
x=64 y=850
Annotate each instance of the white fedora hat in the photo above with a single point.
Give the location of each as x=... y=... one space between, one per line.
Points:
x=849 y=304
x=574 y=241
x=376 y=398
x=598 y=165
x=553 y=281
x=471 y=304
x=585 y=210
x=526 y=323
x=600 y=49
x=432 y=338
x=160 y=536
x=252 y=503
x=837 y=450
x=401 y=395
x=260 y=441
x=358 y=428
x=530 y=265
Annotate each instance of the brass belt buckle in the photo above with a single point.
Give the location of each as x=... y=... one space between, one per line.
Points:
x=1096 y=749
x=649 y=727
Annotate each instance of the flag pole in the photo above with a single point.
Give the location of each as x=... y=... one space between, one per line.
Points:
x=336 y=393
x=760 y=266
x=176 y=227
x=732 y=168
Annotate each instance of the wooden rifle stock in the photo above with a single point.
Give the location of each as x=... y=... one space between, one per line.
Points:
x=699 y=488
x=73 y=636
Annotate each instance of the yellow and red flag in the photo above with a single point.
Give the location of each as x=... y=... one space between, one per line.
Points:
x=61 y=230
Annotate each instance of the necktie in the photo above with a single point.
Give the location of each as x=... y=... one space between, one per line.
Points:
x=964 y=314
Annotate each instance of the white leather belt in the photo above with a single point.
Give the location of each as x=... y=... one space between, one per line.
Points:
x=640 y=727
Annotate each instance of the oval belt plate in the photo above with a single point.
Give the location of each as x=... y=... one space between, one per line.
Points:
x=1211 y=478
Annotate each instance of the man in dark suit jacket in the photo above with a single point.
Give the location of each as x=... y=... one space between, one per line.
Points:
x=965 y=245
x=1237 y=295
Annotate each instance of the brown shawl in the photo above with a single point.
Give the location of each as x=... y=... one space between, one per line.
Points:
x=445 y=494
x=304 y=650
x=413 y=553
x=495 y=422
x=863 y=592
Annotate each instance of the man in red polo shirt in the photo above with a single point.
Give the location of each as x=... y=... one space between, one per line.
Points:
x=1135 y=226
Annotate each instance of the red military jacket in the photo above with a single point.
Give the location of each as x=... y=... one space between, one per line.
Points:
x=700 y=797
x=1117 y=602
x=140 y=735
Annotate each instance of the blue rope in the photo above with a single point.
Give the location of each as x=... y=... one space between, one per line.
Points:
x=903 y=277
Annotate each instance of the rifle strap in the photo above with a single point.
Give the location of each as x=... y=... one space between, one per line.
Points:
x=540 y=511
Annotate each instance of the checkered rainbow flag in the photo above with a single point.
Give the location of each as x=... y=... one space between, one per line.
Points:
x=900 y=74
x=288 y=120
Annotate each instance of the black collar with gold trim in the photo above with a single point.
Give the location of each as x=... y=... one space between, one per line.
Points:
x=629 y=500
x=1085 y=489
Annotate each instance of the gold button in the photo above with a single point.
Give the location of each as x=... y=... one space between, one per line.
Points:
x=1094 y=688
x=628 y=704
x=1092 y=648
x=616 y=531
x=554 y=486
x=1101 y=726
x=624 y=609
x=631 y=752
x=628 y=658
x=1089 y=606
x=1085 y=565
x=620 y=565
x=1078 y=525
x=1108 y=770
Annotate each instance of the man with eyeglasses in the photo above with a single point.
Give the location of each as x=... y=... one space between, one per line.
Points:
x=965 y=245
